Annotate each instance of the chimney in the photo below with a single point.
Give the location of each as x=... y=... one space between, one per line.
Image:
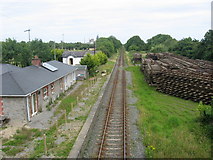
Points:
x=36 y=61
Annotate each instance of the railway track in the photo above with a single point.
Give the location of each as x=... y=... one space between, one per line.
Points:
x=113 y=140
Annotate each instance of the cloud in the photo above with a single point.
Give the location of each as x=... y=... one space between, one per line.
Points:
x=81 y=19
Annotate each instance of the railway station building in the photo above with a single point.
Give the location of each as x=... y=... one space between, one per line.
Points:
x=24 y=92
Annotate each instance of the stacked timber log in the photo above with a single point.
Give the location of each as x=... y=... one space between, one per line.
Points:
x=137 y=57
x=179 y=76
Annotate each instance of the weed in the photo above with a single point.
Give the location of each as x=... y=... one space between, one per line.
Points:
x=175 y=132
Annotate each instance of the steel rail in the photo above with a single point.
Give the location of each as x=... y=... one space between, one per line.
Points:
x=108 y=113
x=120 y=63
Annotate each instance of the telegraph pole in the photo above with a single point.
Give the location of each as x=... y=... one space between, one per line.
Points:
x=28 y=30
x=94 y=46
x=54 y=51
x=63 y=41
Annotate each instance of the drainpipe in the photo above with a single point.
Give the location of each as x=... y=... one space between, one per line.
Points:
x=28 y=110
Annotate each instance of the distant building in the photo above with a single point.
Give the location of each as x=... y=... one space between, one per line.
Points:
x=74 y=57
x=26 y=91
x=91 y=41
x=81 y=72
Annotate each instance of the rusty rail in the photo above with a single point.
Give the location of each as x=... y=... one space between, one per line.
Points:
x=112 y=112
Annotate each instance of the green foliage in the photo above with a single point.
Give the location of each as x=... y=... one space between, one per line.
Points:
x=149 y=151
x=57 y=54
x=76 y=46
x=205 y=110
x=159 y=48
x=169 y=121
x=186 y=47
x=117 y=44
x=106 y=46
x=161 y=43
x=13 y=151
x=93 y=61
x=205 y=47
x=41 y=49
x=15 y=145
x=89 y=61
x=16 y=53
x=21 y=53
x=135 y=43
x=101 y=57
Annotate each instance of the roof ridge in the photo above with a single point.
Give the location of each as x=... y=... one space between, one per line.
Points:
x=16 y=82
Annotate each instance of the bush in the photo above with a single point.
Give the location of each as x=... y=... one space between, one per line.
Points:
x=93 y=61
x=205 y=111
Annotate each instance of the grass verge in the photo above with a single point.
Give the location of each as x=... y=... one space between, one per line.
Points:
x=170 y=126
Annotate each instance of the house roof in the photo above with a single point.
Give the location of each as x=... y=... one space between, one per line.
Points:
x=4 y=68
x=81 y=67
x=29 y=79
x=76 y=53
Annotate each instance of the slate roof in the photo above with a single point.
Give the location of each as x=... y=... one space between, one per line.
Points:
x=76 y=53
x=4 y=68
x=81 y=67
x=21 y=82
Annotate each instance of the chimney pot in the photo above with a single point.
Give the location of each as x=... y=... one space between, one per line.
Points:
x=36 y=61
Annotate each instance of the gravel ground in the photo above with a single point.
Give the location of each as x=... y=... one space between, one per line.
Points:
x=70 y=130
x=136 y=147
x=135 y=140
x=91 y=148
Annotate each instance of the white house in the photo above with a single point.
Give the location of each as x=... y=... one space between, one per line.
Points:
x=74 y=57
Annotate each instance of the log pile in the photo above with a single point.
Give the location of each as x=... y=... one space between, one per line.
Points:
x=179 y=76
x=137 y=57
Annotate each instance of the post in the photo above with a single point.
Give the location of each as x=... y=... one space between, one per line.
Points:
x=56 y=126
x=54 y=51
x=77 y=100
x=65 y=117
x=71 y=107
x=45 y=145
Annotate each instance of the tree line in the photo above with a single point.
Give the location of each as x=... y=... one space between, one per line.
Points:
x=21 y=53
x=106 y=47
x=188 y=47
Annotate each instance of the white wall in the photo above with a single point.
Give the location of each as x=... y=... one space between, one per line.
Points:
x=69 y=80
x=75 y=60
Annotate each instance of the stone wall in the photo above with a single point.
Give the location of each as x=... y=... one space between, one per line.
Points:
x=15 y=109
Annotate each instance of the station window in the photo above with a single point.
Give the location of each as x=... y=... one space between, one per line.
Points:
x=45 y=92
x=52 y=88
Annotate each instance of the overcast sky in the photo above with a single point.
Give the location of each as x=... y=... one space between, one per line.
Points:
x=81 y=20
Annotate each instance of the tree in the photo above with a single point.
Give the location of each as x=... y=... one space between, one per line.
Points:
x=186 y=47
x=42 y=50
x=159 y=48
x=117 y=44
x=106 y=46
x=102 y=57
x=9 y=51
x=93 y=61
x=25 y=54
x=57 y=53
x=89 y=61
x=135 y=43
x=205 y=47
x=161 y=43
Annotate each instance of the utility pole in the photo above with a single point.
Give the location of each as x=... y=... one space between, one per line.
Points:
x=63 y=41
x=94 y=46
x=28 y=30
x=54 y=51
